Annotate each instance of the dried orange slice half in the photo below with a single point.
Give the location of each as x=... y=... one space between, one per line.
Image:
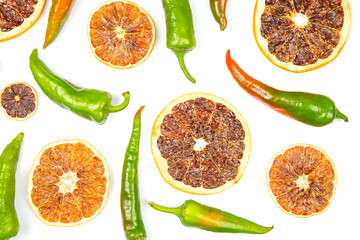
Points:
x=121 y=34
x=16 y=17
x=301 y=35
x=200 y=143
x=68 y=183
x=19 y=101
x=302 y=180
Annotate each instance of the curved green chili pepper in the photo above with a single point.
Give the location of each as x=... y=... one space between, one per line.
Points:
x=59 y=13
x=312 y=109
x=180 y=34
x=9 y=224
x=218 y=8
x=130 y=197
x=194 y=214
x=91 y=104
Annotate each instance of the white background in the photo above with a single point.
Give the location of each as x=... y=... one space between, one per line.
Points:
x=159 y=80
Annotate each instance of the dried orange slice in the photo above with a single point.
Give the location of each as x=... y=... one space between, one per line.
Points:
x=68 y=183
x=302 y=180
x=200 y=143
x=19 y=101
x=301 y=35
x=16 y=17
x=121 y=34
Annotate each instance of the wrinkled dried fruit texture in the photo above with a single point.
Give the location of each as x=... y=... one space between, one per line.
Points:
x=221 y=133
x=19 y=100
x=302 y=45
x=120 y=33
x=14 y=12
x=297 y=162
x=89 y=186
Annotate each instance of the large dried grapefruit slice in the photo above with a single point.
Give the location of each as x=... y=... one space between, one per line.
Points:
x=17 y=16
x=302 y=180
x=301 y=35
x=68 y=183
x=121 y=34
x=200 y=143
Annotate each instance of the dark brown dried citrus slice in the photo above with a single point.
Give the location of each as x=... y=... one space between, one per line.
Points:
x=121 y=34
x=301 y=35
x=200 y=143
x=302 y=180
x=19 y=101
x=17 y=16
x=68 y=183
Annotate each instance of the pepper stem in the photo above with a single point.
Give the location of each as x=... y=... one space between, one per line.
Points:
x=123 y=105
x=180 y=56
x=177 y=211
x=340 y=115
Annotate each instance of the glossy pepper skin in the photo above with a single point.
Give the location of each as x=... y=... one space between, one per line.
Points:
x=91 y=104
x=194 y=214
x=58 y=15
x=180 y=33
x=312 y=109
x=218 y=9
x=130 y=197
x=9 y=224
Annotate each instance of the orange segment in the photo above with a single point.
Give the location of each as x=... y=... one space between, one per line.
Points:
x=68 y=183
x=200 y=143
x=301 y=35
x=121 y=34
x=302 y=180
x=16 y=17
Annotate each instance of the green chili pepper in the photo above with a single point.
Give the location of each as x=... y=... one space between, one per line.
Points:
x=312 y=109
x=180 y=34
x=59 y=13
x=9 y=224
x=91 y=104
x=194 y=214
x=218 y=8
x=130 y=197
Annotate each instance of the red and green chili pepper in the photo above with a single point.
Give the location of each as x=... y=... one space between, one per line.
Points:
x=130 y=197
x=218 y=9
x=180 y=34
x=58 y=15
x=91 y=104
x=309 y=108
x=194 y=214
x=9 y=224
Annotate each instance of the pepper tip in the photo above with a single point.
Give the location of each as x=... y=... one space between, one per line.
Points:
x=20 y=135
x=140 y=109
x=34 y=53
x=228 y=53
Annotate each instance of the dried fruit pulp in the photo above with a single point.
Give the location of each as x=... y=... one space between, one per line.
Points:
x=200 y=143
x=18 y=16
x=301 y=35
x=68 y=183
x=302 y=180
x=121 y=34
x=19 y=101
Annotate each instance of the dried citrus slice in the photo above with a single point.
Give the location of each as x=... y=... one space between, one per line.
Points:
x=200 y=143
x=18 y=16
x=68 y=183
x=302 y=180
x=19 y=101
x=301 y=35
x=121 y=34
